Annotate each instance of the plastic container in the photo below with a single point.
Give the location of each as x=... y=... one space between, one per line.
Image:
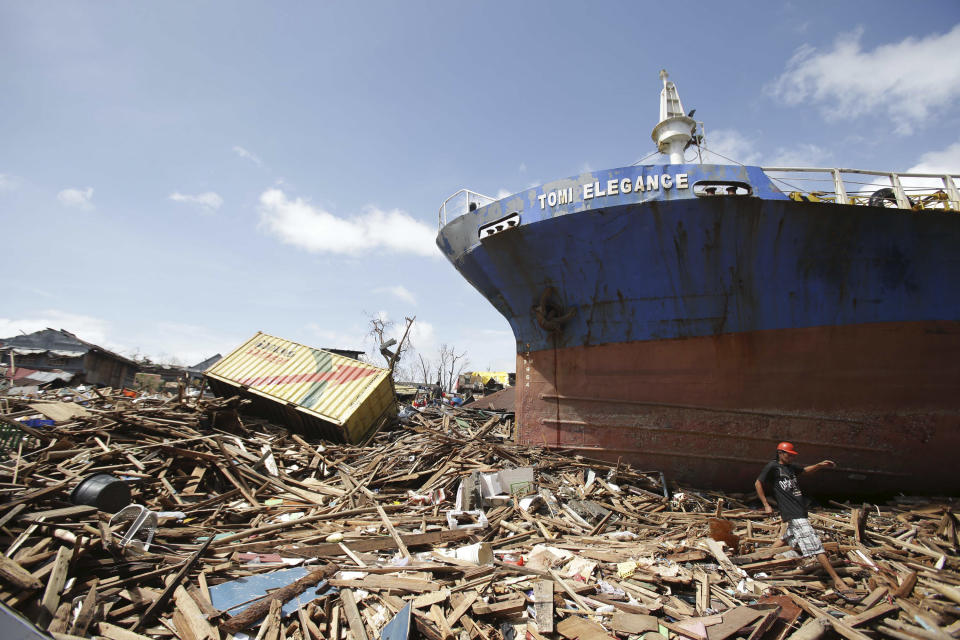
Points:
x=103 y=491
x=480 y=553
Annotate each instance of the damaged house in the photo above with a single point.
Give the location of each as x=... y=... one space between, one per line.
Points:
x=173 y=373
x=61 y=351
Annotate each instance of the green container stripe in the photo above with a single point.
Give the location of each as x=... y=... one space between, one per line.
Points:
x=324 y=362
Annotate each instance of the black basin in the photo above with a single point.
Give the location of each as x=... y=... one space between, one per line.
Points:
x=103 y=491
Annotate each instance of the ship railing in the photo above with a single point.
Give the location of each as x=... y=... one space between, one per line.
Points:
x=913 y=191
x=462 y=202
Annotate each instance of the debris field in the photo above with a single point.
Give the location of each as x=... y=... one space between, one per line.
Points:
x=438 y=528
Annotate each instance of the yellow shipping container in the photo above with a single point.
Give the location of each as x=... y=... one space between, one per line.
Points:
x=502 y=377
x=310 y=391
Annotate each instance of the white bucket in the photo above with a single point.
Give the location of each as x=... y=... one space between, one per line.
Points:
x=480 y=553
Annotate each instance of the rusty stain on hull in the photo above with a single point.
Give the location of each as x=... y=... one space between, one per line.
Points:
x=880 y=399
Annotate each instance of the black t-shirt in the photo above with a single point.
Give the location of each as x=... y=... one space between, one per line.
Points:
x=783 y=477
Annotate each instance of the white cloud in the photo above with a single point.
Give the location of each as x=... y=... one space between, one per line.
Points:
x=503 y=193
x=248 y=155
x=208 y=201
x=79 y=198
x=802 y=155
x=299 y=223
x=725 y=145
x=523 y=167
x=398 y=291
x=9 y=182
x=180 y=343
x=423 y=336
x=942 y=161
x=907 y=80
x=324 y=337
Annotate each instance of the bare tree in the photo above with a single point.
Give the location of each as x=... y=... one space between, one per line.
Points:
x=424 y=369
x=449 y=369
x=442 y=364
x=379 y=328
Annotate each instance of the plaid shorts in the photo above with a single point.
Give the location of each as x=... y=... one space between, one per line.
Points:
x=801 y=536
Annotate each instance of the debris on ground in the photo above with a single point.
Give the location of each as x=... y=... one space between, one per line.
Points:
x=126 y=518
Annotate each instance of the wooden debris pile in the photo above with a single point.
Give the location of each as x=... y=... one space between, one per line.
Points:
x=442 y=528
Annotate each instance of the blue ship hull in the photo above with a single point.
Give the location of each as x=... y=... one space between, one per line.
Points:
x=632 y=282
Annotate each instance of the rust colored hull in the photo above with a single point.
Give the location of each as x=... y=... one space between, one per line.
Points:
x=882 y=400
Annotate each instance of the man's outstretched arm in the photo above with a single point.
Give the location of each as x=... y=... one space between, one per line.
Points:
x=823 y=464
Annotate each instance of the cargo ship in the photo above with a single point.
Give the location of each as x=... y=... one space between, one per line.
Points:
x=686 y=317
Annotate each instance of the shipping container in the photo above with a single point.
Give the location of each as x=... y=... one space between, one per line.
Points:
x=315 y=393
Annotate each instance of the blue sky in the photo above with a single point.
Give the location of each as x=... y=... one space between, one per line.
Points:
x=176 y=176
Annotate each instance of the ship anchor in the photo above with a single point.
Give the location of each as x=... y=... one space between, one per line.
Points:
x=550 y=315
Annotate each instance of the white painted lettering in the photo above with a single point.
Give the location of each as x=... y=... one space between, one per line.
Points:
x=666 y=181
x=596 y=190
x=626 y=185
x=612 y=187
x=563 y=199
x=588 y=192
x=652 y=182
x=541 y=198
x=639 y=186
x=552 y=199
x=681 y=181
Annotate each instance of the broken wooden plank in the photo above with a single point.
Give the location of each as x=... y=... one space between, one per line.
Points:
x=164 y=597
x=193 y=621
x=354 y=620
x=543 y=605
x=259 y=609
x=840 y=627
x=461 y=606
x=16 y=575
x=87 y=611
x=58 y=576
x=878 y=611
x=633 y=623
x=577 y=628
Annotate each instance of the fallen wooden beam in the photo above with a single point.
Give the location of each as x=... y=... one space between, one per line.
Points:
x=260 y=608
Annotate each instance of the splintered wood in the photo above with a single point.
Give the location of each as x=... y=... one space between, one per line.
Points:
x=440 y=527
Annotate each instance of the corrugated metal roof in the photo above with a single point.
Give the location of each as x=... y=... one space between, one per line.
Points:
x=49 y=376
x=57 y=341
x=323 y=383
x=63 y=354
x=33 y=375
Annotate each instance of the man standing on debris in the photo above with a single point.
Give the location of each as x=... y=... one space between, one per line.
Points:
x=782 y=473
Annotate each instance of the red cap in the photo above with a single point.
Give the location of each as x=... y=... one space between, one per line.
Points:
x=786 y=447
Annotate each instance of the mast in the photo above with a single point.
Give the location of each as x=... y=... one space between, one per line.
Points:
x=675 y=130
